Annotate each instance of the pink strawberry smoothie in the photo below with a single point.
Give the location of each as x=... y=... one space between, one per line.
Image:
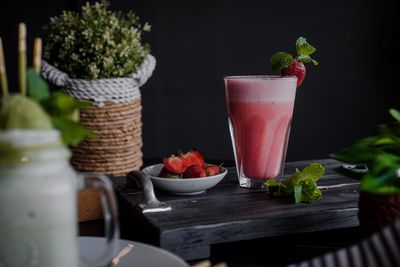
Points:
x=260 y=110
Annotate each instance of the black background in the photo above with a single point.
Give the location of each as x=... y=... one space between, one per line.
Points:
x=196 y=43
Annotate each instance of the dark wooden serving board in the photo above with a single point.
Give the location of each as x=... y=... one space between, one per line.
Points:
x=229 y=213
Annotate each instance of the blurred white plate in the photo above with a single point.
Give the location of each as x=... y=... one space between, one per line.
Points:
x=141 y=255
x=184 y=186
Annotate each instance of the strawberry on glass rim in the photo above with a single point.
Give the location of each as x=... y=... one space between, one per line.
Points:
x=288 y=66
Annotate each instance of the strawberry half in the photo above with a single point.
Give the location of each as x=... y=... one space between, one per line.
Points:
x=195 y=171
x=298 y=69
x=193 y=157
x=175 y=164
x=212 y=170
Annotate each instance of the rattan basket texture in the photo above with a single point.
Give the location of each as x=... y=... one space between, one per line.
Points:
x=115 y=117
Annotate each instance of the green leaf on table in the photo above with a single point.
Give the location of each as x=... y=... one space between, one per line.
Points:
x=313 y=171
x=273 y=187
x=310 y=191
x=280 y=60
x=298 y=193
x=303 y=48
x=37 y=87
x=395 y=114
x=72 y=132
x=302 y=185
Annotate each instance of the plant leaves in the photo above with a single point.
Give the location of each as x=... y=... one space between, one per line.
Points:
x=280 y=61
x=313 y=171
x=302 y=185
x=273 y=187
x=395 y=114
x=303 y=47
x=307 y=59
x=37 y=87
x=62 y=105
x=298 y=193
x=72 y=132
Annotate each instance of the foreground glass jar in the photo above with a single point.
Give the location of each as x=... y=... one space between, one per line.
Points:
x=38 y=202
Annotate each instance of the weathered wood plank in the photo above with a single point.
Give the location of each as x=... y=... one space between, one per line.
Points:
x=228 y=213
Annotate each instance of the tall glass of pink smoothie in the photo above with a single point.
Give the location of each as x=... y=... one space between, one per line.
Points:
x=260 y=110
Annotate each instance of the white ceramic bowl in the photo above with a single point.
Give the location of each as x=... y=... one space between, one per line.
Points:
x=184 y=186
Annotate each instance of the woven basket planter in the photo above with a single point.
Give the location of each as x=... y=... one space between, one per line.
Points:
x=115 y=118
x=377 y=211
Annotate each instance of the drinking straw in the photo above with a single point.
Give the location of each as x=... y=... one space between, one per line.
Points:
x=3 y=73
x=37 y=54
x=22 y=58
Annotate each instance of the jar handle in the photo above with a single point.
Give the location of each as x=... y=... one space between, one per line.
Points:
x=104 y=186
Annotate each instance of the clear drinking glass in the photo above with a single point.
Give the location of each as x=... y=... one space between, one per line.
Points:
x=260 y=110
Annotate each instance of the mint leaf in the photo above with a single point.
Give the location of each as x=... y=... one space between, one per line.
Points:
x=311 y=196
x=72 y=132
x=313 y=171
x=62 y=105
x=37 y=87
x=302 y=185
x=395 y=114
x=303 y=48
x=280 y=60
x=307 y=59
x=273 y=187
x=310 y=191
x=298 y=193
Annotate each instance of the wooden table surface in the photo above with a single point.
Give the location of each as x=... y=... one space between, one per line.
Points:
x=227 y=214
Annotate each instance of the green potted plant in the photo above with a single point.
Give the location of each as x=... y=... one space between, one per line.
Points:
x=98 y=55
x=379 y=202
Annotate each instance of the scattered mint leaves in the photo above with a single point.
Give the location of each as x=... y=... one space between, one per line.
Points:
x=313 y=171
x=302 y=185
x=280 y=61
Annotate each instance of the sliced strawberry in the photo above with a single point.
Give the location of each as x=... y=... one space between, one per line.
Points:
x=298 y=69
x=175 y=164
x=193 y=157
x=212 y=170
x=195 y=171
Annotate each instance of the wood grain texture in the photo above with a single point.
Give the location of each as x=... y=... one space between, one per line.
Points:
x=229 y=213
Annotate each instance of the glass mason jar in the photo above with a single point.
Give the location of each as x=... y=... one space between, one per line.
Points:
x=38 y=202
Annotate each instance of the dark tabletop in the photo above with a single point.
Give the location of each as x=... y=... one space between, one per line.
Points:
x=244 y=227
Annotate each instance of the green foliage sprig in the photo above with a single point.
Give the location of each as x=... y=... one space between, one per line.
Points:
x=301 y=186
x=281 y=60
x=96 y=42
x=381 y=153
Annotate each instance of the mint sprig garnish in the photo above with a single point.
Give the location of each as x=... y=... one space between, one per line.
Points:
x=281 y=60
x=302 y=185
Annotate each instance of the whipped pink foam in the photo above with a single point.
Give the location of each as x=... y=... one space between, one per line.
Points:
x=260 y=88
